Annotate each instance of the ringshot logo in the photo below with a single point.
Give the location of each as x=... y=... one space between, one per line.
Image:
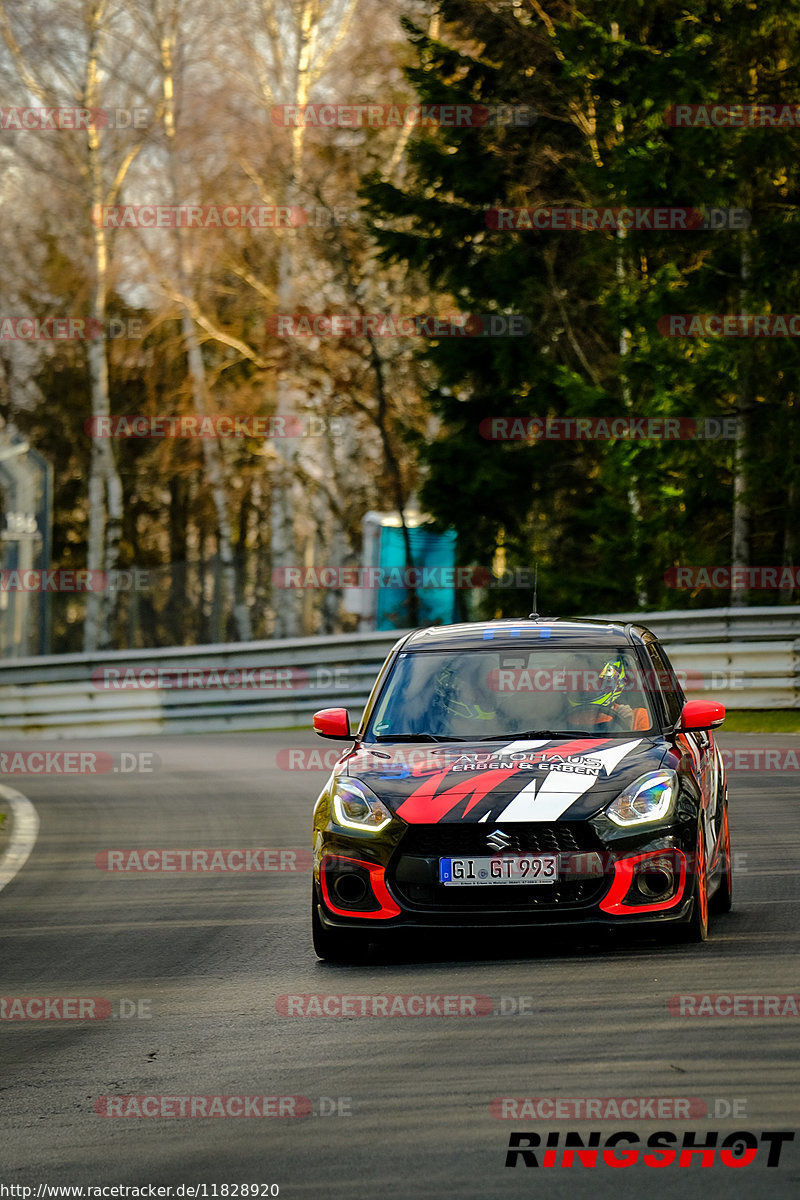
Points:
x=664 y=1148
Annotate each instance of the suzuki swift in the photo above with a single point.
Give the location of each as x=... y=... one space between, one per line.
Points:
x=521 y=774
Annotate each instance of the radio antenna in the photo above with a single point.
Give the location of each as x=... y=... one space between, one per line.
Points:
x=532 y=616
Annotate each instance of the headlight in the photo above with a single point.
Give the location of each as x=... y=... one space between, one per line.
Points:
x=356 y=807
x=650 y=798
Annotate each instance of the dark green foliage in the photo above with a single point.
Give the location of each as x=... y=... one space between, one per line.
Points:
x=605 y=520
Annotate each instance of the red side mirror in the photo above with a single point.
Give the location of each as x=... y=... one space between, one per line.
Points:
x=332 y=723
x=701 y=714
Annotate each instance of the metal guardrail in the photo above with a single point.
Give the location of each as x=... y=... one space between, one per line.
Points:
x=63 y=696
x=743 y=657
x=746 y=658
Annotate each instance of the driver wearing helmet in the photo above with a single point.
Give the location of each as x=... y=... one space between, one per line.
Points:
x=452 y=697
x=605 y=708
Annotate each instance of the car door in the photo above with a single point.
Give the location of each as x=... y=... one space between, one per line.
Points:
x=700 y=745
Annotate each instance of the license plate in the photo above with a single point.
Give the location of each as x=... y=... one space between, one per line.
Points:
x=518 y=869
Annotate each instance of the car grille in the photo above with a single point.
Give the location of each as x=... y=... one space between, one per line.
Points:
x=566 y=837
x=414 y=872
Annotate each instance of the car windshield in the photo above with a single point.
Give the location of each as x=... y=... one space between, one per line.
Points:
x=501 y=694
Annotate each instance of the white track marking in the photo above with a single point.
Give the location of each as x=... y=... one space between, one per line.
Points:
x=23 y=837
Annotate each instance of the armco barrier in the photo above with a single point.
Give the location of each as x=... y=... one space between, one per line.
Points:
x=57 y=696
x=749 y=657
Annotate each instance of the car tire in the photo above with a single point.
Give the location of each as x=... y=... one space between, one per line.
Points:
x=335 y=945
x=696 y=928
x=722 y=900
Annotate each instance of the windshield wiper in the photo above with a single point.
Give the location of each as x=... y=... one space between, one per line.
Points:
x=417 y=737
x=539 y=733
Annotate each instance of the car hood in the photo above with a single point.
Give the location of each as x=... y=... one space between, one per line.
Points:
x=530 y=780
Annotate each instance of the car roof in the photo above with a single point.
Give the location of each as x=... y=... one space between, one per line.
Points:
x=527 y=631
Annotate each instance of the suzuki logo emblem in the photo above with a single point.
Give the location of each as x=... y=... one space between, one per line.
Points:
x=499 y=840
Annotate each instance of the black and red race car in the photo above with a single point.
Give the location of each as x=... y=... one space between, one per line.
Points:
x=521 y=773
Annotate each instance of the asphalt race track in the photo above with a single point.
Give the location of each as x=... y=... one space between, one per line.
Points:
x=192 y=966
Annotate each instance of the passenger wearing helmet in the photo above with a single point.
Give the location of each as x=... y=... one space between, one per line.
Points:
x=606 y=709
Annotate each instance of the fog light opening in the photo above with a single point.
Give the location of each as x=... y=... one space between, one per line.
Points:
x=350 y=888
x=655 y=883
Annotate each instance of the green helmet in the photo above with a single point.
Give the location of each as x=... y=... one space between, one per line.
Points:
x=613 y=673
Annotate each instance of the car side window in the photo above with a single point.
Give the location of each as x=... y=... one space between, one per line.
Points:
x=666 y=681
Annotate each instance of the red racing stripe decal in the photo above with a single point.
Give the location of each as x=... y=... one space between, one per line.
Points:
x=425 y=807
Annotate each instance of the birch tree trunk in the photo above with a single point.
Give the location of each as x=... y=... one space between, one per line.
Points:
x=306 y=68
x=90 y=24
x=213 y=461
x=105 y=485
